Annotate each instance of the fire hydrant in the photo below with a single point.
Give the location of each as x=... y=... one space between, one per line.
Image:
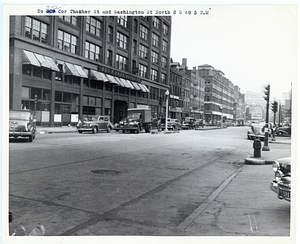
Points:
x=257 y=147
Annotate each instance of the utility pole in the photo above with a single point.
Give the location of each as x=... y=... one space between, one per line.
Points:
x=267 y=98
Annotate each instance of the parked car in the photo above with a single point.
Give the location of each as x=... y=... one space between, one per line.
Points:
x=281 y=185
x=257 y=131
x=190 y=121
x=95 y=123
x=283 y=131
x=22 y=124
x=200 y=123
x=172 y=124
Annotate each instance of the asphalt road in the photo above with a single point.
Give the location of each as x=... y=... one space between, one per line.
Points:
x=120 y=184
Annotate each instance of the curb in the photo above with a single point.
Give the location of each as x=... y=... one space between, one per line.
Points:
x=257 y=161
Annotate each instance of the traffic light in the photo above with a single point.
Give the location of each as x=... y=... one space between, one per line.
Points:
x=267 y=93
x=274 y=107
x=160 y=100
x=35 y=98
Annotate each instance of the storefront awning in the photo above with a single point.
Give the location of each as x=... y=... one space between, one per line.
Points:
x=71 y=70
x=142 y=87
x=42 y=60
x=112 y=79
x=127 y=83
x=120 y=81
x=103 y=76
x=80 y=71
x=52 y=64
x=136 y=86
x=145 y=88
x=29 y=58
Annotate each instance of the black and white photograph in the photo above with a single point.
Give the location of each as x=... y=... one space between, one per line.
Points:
x=158 y=123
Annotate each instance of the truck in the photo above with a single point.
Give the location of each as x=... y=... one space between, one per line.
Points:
x=137 y=119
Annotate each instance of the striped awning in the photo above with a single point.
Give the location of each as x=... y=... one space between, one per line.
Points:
x=30 y=58
x=127 y=84
x=80 y=71
x=42 y=60
x=136 y=86
x=120 y=82
x=112 y=79
x=71 y=70
x=52 y=64
x=145 y=88
x=142 y=87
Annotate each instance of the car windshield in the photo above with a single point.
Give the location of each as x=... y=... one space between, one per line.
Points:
x=19 y=115
x=92 y=119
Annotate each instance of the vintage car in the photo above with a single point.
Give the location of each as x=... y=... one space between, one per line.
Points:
x=22 y=124
x=189 y=122
x=257 y=131
x=95 y=123
x=173 y=124
x=281 y=185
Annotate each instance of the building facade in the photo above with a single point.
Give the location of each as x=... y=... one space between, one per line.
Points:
x=239 y=106
x=219 y=94
x=67 y=67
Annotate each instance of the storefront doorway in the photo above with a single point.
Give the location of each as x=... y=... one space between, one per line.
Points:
x=120 y=110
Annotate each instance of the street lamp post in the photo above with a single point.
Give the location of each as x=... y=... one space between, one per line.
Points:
x=167 y=106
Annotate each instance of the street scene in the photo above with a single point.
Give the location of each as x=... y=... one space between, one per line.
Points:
x=187 y=183
x=151 y=122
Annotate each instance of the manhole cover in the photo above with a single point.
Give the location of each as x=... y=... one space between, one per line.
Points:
x=105 y=172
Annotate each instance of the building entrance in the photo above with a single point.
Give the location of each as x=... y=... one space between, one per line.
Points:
x=120 y=110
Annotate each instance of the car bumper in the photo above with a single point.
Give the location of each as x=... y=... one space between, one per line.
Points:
x=85 y=129
x=22 y=134
x=282 y=192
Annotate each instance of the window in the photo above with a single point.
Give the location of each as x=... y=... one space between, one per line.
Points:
x=122 y=20
x=134 y=47
x=144 y=32
x=109 y=57
x=154 y=93
x=153 y=75
x=166 y=29
x=165 y=46
x=93 y=26
x=122 y=40
x=92 y=51
x=142 y=70
x=163 y=78
x=36 y=30
x=155 y=40
x=143 y=50
x=164 y=62
x=156 y=22
x=71 y=19
x=135 y=26
x=110 y=34
x=67 y=42
x=121 y=62
x=154 y=57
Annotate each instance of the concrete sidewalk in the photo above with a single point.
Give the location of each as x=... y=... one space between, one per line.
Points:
x=244 y=205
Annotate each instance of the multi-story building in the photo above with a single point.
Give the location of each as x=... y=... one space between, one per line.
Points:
x=219 y=94
x=66 y=67
x=176 y=98
x=239 y=106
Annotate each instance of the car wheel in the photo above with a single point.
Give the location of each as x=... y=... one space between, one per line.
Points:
x=80 y=131
x=123 y=131
x=30 y=139
x=108 y=129
x=94 y=130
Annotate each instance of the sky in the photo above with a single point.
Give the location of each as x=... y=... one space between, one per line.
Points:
x=253 y=45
